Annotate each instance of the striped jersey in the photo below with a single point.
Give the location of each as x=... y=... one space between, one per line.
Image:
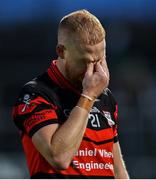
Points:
x=49 y=99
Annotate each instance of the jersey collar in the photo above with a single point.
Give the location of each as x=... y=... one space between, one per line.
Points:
x=59 y=79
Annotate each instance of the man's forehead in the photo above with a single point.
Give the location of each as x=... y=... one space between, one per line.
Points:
x=92 y=48
x=92 y=53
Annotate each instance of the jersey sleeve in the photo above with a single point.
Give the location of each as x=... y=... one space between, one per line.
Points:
x=115 y=128
x=32 y=112
x=114 y=109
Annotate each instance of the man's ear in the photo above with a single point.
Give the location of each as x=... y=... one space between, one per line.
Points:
x=60 y=50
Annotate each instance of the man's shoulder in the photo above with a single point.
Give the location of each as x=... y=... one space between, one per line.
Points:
x=107 y=94
x=43 y=86
x=41 y=81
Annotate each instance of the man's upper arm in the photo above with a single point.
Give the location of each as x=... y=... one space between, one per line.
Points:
x=117 y=153
x=119 y=165
x=42 y=141
x=36 y=117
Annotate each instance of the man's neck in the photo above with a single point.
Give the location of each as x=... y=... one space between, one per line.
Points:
x=60 y=66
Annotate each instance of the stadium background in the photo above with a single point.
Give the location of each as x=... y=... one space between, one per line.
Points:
x=28 y=30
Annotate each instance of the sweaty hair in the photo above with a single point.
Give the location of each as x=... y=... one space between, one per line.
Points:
x=82 y=26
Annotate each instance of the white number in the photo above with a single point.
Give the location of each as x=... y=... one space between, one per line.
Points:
x=94 y=120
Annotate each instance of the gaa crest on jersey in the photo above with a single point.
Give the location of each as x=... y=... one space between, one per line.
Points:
x=108 y=117
x=26 y=100
x=67 y=112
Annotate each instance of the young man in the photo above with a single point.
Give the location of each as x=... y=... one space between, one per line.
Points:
x=67 y=116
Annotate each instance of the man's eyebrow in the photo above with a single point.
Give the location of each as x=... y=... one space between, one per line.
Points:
x=90 y=61
x=85 y=58
x=95 y=61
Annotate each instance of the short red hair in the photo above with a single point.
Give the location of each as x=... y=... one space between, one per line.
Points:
x=82 y=25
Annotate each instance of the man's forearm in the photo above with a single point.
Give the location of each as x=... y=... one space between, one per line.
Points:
x=122 y=174
x=66 y=140
x=119 y=164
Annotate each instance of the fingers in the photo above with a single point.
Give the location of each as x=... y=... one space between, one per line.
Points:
x=105 y=68
x=90 y=69
x=104 y=64
x=99 y=68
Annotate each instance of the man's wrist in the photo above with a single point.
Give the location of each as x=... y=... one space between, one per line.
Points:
x=89 y=94
x=85 y=102
x=88 y=97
